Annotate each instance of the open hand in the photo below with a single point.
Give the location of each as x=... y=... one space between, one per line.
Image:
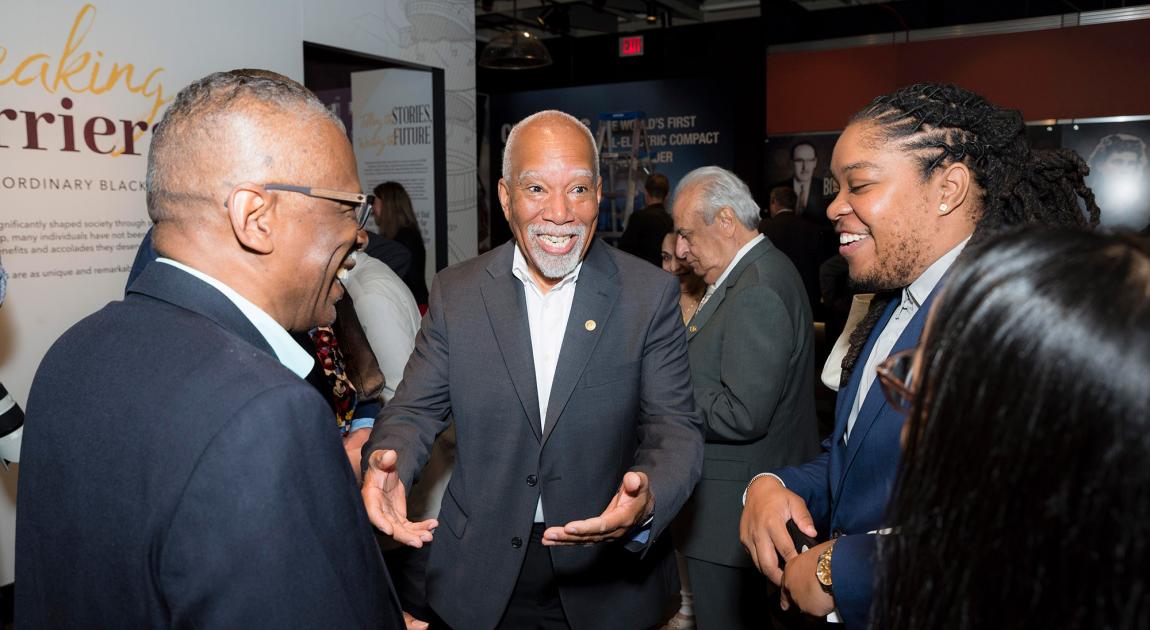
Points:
x=385 y=500
x=628 y=508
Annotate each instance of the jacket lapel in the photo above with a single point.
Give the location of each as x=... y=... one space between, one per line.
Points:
x=507 y=311
x=596 y=291
x=175 y=286
x=846 y=400
x=875 y=404
x=707 y=310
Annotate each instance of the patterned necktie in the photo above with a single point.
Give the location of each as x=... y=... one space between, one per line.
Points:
x=331 y=360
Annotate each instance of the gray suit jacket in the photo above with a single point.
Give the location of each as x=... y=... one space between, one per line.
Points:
x=752 y=365
x=621 y=400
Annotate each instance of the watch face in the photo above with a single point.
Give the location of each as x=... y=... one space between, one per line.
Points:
x=823 y=568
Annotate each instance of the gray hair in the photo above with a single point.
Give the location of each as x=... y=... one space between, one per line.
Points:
x=195 y=118
x=548 y=113
x=720 y=188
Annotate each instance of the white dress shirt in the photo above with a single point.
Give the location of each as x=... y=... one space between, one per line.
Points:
x=287 y=351
x=388 y=314
x=912 y=297
x=547 y=314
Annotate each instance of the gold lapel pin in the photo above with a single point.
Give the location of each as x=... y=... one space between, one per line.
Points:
x=694 y=329
x=589 y=325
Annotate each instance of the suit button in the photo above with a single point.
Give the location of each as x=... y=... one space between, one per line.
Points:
x=836 y=533
x=532 y=480
x=516 y=542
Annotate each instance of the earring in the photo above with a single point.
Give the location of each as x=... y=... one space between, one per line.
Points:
x=942 y=208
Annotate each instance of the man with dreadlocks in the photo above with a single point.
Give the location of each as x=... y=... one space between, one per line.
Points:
x=922 y=172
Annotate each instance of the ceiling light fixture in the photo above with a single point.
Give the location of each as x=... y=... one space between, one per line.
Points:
x=514 y=50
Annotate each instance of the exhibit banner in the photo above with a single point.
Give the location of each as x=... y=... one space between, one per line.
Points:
x=1119 y=170
x=802 y=163
x=686 y=127
x=81 y=87
x=1114 y=149
x=394 y=137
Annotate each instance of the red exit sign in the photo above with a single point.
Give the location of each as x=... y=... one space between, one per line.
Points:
x=631 y=46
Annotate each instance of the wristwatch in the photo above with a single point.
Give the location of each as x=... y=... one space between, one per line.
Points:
x=823 y=568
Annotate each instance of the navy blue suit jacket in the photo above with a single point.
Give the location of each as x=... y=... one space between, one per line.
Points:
x=175 y=474
x=847 y=487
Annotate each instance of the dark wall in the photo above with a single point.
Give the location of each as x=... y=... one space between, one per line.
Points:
x=1079 y=72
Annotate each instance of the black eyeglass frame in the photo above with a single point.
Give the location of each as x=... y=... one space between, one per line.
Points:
x=899 y=393
x=363 y=201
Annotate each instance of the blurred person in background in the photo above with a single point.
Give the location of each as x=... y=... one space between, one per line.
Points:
x=396 y=220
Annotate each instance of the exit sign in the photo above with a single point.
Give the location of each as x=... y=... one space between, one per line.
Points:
x=631 y=46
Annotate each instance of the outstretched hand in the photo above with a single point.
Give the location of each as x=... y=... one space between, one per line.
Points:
x=763 y=526
x=629 y=507
x=385 y=500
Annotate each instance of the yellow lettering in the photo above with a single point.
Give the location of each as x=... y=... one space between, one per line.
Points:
x=79 y=71
x=24 y=65
x=75 y=67
x=72 y=45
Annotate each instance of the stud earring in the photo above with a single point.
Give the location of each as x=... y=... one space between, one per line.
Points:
x=942 y=208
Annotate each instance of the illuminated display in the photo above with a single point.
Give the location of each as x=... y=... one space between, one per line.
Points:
x=631 y=46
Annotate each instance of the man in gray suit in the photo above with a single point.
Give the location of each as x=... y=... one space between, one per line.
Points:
x=751 y=348
x=564 y=364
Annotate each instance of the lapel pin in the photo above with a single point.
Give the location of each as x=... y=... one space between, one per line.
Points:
x=693 y=329
x=590 y=325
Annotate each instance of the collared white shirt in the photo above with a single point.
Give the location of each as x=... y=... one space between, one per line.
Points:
x=726 y=272
x=287 y=351
x=912 y=298
x=547 y=315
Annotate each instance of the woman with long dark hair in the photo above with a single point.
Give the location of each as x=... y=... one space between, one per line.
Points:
x=1023 y=498
x=395 y=217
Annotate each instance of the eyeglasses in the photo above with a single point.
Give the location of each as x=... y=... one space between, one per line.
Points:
x=894 y=375
x=363 y=202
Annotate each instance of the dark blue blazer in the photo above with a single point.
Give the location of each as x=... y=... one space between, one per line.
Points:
x=847 y=487
x=175 y=474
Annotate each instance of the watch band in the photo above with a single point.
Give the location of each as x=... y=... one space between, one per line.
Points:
x=823 y=568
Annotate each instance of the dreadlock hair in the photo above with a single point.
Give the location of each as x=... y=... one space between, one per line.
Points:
x=944 y=124
x=1023 y=495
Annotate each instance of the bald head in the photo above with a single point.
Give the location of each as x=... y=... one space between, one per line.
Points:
x=243 y=125
x=540 y=120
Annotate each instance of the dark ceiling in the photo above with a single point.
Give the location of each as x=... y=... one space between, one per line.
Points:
x=784 y=21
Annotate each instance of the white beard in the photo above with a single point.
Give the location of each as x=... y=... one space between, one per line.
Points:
x=550 y=265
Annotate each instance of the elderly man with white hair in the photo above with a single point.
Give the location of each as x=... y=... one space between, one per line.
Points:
x=564 y=364
x=751 y=347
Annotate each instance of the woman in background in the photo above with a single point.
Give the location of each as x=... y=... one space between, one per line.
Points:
x=691 y=286
x=691 y=290
x=1023 y=499
x=396 y=220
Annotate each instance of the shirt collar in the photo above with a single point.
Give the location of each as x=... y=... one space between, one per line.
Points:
x=738 y=256
x=287 y=351
x=520 y=268
x=918 y=290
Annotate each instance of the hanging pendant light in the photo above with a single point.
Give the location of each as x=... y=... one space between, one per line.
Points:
x=515 y=50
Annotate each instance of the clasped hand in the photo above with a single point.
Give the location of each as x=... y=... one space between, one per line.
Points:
x=763 y=531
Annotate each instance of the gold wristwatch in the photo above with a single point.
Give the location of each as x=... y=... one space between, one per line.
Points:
x=823 y=568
